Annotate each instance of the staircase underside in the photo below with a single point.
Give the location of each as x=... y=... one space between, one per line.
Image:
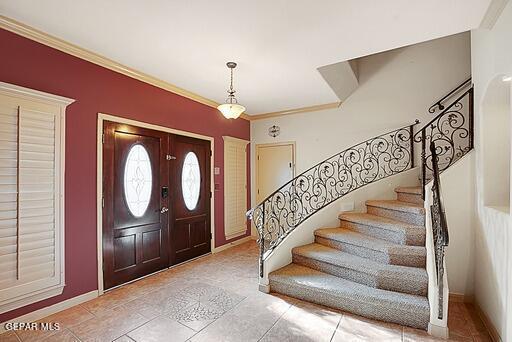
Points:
x=372 y=265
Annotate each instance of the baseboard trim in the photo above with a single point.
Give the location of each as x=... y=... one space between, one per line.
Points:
x=232 y=244
x=460 y=298
x=437 y=331
x=52 y=309
x=264 y=288
x=493 y=332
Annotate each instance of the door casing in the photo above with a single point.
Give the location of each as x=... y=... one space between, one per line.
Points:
x=99 y=180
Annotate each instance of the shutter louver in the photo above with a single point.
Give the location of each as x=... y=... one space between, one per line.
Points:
x=30 y=197
x=235 y=181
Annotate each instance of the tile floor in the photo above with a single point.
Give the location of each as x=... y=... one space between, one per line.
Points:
x=215 y=298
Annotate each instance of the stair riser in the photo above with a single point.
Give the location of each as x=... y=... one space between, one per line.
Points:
x=407 y=197
x=374 y=310
x=403 y=260
x=408 y=217
x=393 y=282
x=385 y=234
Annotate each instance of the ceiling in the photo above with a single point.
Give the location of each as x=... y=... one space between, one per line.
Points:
x=278 y=44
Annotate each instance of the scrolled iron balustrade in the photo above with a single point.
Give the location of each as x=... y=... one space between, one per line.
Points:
x=450 y=132
x=439 y=227
x=374 y=159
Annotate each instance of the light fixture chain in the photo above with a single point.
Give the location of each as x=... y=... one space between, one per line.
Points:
x=231 y=86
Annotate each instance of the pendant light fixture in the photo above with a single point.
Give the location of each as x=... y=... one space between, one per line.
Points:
x=231 y=109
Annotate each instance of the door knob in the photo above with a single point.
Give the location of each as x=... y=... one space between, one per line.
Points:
x=164 y=210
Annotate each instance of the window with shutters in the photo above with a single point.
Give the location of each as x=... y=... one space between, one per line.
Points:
x=235 y=187
x=31 y=196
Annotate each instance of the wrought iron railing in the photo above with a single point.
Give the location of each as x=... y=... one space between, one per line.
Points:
x=388 y=154
x=439 y=227
x=362 y=164
x=451 y=131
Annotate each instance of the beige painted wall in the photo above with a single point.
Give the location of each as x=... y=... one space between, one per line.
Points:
x=491 y=59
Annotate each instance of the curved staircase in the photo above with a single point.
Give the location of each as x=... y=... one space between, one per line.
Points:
x=372 y=265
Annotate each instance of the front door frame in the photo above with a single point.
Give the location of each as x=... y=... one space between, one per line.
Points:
x=99 y=180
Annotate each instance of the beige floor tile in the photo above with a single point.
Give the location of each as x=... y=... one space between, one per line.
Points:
x=124 y=338
x=161 y=329
x=109 y=326
x=201 y=304
x=63 y=336
x=458 y=326
x=416 y=335
x=355 y=328
x=304 y=322
x=109 y=300
x=70 y=317
x=482 y=337
x=247 y=322
x=9 y=336
x=34 y=335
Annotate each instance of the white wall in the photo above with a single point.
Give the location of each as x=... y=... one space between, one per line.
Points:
x=491 y=57
x=396 y=87
x=457 y=186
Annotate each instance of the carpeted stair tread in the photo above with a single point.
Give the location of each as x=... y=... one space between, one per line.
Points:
x=351 y=237
x=382 y=222
x=340 y=258
x=325 y=289
x=414 y=190
x=398 y=206
x=362 y=270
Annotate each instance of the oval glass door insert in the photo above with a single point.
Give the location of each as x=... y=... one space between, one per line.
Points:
x=190 y=180
x=138 y=180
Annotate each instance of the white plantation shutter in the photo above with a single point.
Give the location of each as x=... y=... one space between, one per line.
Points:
x=31 y=201
x=235 y=187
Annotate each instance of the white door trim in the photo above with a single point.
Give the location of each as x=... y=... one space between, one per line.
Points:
x=99 y=177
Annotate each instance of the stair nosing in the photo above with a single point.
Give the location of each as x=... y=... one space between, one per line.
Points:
x=381 y=268
x=372 y=290
x=412 y=208
x=400 y=226
x=408 y=190
x=385 y=246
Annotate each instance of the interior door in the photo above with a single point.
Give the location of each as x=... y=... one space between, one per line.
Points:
x=275 y=167
x=135 y=214
x=190 y=232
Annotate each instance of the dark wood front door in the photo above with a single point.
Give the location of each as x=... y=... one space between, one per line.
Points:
x=190 y=178
x=156 y=201
x=135 y=216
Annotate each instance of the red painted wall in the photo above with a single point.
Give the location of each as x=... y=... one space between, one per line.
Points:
x=29 y=64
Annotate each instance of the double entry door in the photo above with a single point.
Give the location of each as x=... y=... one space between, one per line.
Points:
x=156 y=201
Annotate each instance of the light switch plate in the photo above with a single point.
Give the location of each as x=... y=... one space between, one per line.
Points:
x=216 y=170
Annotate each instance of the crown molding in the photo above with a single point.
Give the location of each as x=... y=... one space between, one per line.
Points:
x=71 y=49
x=35 y=94
x=294 y=111
x=493 y=13
x=74 y=50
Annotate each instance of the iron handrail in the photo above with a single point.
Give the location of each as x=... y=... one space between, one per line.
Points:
x=439 y=227
x=439 y=103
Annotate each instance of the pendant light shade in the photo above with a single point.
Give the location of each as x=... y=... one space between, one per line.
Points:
x=231 y=109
